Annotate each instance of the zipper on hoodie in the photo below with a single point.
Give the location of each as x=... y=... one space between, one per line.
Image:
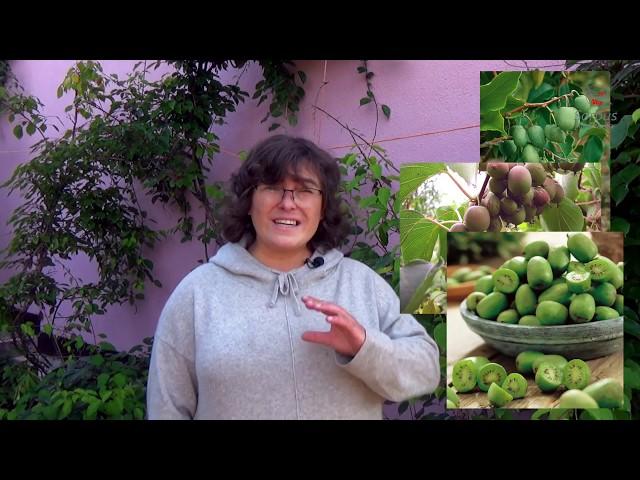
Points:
x=293 y=359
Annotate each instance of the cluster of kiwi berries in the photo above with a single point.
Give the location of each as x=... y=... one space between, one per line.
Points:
x=528 y=145
x=516 y=194
x=552 y=286
x=468 y=274
x=551 y=372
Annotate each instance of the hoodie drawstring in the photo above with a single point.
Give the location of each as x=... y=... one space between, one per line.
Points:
x=286 y=283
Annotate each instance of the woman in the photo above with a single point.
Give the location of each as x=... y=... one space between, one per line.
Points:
x=245 y=336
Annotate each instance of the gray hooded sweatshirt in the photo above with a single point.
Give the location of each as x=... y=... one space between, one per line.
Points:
x=228 y=344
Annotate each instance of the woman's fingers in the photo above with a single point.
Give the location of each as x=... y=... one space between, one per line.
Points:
x=323 y=338
x=321 y=306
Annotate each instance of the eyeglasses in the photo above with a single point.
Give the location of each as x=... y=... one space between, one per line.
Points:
x=303 y=197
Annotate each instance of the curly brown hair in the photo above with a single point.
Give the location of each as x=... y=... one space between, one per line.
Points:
x=269 y=162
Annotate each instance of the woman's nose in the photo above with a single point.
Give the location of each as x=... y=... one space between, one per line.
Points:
x=288 y=199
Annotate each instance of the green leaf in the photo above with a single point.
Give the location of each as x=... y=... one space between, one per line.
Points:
x=601 y=133
x=597 y=414
x=567 y=146
x=107 y=346
x=213 y=191
x=560 y=413
x=364 y=100
x=635 y=116
x=627 y=175
x=619 y=131
x=521 y=93
x=541 y=94
x=113 y=408
x=374 y=218
x=92 y=410
x=31 y=128
x=566 y=217
x=442 y=242
x=621 y=180
x=620 y=225
x=376 y=169
x=368 y=202
x=493 y=96
x=592 y=151
x=631 y=326
x=418 y=236
x=386 y=110
x=102 y=380
x=414 y=175
x=303 y=76
x=492 y=121
x=539 y=413
x=418 y=295
x=17 y=131
x=632 y=376
x=273 y=126
x=120 y=380
x=466 y=170
x=383 y=195
x=513 y=103
x=98 y=361
x=66 y=409
x=47 y=328
x=440 y=336
x=27 y=329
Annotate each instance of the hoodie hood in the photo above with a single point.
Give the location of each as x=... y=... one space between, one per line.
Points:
x=236 y=259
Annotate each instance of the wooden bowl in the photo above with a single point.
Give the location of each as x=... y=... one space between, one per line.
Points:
x=462 y=290
x=581 y=340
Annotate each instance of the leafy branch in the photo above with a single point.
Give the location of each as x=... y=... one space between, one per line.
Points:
x=540 y=104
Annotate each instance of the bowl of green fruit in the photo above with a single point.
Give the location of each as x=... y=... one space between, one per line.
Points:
x=557 y=300
x=461 y=279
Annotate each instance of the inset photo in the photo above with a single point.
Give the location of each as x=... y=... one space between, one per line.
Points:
x=438 y=198
x=540 y=324
x=538 y=116
x=499 y=196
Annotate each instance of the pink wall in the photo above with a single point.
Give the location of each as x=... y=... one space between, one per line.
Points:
x=424 y=96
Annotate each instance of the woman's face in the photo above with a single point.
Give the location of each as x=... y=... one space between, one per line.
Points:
x=282 y=224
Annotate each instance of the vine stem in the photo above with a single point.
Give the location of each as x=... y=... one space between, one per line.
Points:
x=433 y=220
x=495 y=141
x=541 y=104
x=458 y=185
x=484 y=186
x=382 y=157
x=590 y=202
x=555 y=155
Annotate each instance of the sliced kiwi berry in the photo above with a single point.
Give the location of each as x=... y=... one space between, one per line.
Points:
x=557 y=359
x=516 y=385
x=576 y=374
x=464 y=375
x=498 y=397
x=490 y=373
x=578 y=281
x=548 y=376
x=505 y=280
